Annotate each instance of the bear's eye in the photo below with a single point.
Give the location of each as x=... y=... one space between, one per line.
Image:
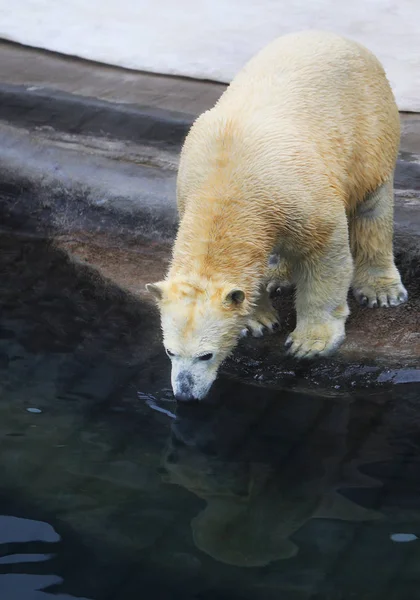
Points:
x=208 y=356
x=169 y=353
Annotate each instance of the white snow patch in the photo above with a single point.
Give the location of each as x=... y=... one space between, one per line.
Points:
x=213 y=40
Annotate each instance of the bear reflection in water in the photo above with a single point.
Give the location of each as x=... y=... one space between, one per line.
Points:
x=264 y=469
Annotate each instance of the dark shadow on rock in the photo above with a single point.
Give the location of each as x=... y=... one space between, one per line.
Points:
x=52 y=303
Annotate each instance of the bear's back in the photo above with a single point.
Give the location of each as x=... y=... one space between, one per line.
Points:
x=311 y=101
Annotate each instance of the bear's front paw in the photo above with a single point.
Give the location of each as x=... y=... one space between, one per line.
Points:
x=309 y=340
x=261 y=321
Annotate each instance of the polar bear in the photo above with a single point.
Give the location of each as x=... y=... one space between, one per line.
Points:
x=296 y=158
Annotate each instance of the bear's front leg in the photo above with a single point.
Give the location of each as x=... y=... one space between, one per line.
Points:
x=322 y=282
x=264 y=318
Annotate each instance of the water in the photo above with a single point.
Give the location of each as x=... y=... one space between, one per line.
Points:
x=257 y=495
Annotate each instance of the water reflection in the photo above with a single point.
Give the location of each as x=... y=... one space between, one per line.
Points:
x=264 y=470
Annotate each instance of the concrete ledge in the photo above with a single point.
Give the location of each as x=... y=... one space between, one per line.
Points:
x=32 y=67
x=69 y=113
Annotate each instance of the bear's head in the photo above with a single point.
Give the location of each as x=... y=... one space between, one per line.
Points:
x=201 y=324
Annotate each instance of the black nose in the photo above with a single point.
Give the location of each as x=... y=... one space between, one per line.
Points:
x=185 y=397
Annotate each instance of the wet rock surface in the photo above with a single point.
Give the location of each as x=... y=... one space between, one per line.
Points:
x=382 y=345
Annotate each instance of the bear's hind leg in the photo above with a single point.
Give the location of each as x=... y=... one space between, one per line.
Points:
x=322 y=285
x=376 y=281
x=279 y=274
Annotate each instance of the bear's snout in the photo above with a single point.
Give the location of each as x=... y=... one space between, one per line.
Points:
x=184 y=388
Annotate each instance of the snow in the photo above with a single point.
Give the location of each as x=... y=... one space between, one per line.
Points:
x=213 y=40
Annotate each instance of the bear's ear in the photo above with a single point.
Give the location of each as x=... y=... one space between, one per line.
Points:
x=156 y=289
x=234 y=297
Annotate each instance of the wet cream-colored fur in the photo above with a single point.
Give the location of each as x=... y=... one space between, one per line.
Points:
x=296 y=158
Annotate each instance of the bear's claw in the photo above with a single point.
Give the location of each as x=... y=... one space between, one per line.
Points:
x=261 y=322
x=308 y=341
x=382 y=297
